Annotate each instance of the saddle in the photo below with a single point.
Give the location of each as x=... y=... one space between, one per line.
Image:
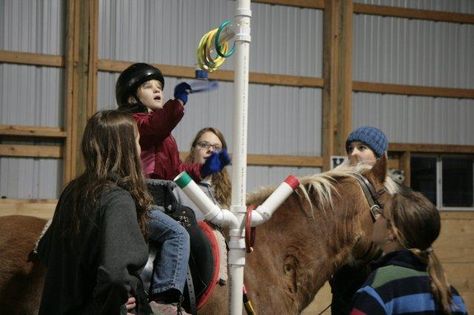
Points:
x=204 y=254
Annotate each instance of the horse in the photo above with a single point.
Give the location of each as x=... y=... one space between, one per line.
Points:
x=324 y=224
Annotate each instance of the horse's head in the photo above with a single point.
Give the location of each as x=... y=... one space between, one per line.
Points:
x=323 y=225
x=377 y=187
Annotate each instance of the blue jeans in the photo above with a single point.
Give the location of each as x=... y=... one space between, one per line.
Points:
x=171 y=263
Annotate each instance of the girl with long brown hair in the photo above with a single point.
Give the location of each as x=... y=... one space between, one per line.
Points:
x=95 y=248
x=409 y=278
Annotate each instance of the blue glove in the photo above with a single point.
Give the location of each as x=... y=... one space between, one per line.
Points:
x=224 y=158
x=181 y=92
x=215 y=163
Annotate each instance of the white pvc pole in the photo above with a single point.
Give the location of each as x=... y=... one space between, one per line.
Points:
x=239 y=156
x=264 y=212
x=212 y=212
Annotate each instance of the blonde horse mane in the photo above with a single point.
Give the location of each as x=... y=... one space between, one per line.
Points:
x=322 y=184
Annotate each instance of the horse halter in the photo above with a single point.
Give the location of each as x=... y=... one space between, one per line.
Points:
x=371 y=195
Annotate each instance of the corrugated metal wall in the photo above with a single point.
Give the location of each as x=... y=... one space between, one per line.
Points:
x=415 y=119
x=282 y=120
x=415 y=52
x=285 y=40
x=31 y=95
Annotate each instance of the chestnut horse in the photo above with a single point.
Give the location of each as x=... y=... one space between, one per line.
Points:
x=313 y=232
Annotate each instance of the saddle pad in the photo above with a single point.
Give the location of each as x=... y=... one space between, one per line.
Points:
x=214 y=244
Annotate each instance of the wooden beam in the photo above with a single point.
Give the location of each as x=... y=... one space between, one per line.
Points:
x=284 y=160
x=108 y=65
x=337 y=75
x=18 y=57
x=456 y=215
x=71 y=60
x=32 y=131
x=431 y=148
x=393 y=163
x=37 y=151
x=42 y=208
x=432 y=91
x=381 y=10
x=93 y=17
x=405 y=165
x=80 y=75
x=310 y=4
x=344 y=88
x=431 y=15
x=330 y=81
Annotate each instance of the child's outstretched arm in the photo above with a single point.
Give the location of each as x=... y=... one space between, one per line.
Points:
x=160 y=123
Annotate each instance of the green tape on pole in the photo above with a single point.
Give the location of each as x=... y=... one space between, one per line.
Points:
x=183 y=179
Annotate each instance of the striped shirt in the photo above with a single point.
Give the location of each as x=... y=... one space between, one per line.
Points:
x=400 y=284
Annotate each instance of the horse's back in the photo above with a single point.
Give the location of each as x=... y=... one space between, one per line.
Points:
x=21 y=280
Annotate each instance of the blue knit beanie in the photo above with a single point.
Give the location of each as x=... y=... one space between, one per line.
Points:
x=372 y=137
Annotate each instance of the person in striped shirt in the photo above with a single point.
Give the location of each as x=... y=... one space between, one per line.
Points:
x=408 y=278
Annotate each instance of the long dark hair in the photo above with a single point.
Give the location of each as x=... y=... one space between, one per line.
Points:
x=416 y=224
x=220 y=180
x=111 y=158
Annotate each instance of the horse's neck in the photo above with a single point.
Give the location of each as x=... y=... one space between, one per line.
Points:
x=290 y=263
x=296 y=252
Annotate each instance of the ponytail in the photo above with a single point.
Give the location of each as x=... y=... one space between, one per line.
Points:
x=439 y=283
x=416 y=224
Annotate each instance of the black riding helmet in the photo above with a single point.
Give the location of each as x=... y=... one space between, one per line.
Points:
x=131 y=78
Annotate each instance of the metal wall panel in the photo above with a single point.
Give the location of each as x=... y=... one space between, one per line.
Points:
x=459 y=6
x=31 y=95
x=282 y=120
x=285 y=40
x=415 y=52
x=29 y=178
x=415 y=119
x=33 y=26
x=406 y=51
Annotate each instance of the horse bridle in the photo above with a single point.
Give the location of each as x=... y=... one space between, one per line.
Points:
x=371 y=195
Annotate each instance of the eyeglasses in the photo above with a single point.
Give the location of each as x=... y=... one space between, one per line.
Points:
x=206 y=146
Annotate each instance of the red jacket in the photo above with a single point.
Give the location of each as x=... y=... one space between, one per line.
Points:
x=160 y=155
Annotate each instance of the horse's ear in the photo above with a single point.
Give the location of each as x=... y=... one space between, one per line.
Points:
x=379 y=170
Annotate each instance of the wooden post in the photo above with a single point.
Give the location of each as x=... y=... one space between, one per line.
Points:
x=81 y=79
x=405 y=166
x=344 y=85
x=337 y=75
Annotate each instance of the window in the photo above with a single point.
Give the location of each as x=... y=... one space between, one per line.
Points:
x=446 y=180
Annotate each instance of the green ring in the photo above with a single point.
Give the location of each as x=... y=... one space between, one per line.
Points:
x=216 y=41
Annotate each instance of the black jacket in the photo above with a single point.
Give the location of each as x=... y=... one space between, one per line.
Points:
x=96 y=272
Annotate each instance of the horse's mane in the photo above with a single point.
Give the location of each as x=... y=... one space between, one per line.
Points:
x=322 y=184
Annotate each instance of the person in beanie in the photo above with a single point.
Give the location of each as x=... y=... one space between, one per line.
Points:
x=366 y=144
x=363 y=145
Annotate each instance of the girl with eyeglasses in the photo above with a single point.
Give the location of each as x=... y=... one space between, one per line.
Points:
x=217 y=186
